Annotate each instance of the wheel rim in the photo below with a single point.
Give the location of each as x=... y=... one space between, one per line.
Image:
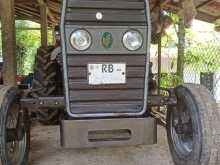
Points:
x=15 y=149
x=182 y=130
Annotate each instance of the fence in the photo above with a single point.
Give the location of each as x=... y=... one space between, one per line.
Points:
x=202 y=65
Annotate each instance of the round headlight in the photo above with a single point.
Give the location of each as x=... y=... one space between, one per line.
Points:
x=132 y=40
x=81 y=40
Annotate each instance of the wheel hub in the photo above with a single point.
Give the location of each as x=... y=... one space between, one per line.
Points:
x=182 y=131
x=183 y=128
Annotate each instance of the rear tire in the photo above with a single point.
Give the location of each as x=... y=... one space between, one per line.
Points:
x=193 y=127
x=45 y=84
x=13 y=152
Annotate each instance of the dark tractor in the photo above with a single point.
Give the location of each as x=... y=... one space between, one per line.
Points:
x=108 y=90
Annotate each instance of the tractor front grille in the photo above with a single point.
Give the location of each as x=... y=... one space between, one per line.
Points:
x=85 y=98
x=118 y=17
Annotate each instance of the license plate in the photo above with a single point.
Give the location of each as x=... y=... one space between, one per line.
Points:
x=107 y=73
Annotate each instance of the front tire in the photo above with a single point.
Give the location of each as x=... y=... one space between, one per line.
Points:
x=193 y=127
x=14 y=131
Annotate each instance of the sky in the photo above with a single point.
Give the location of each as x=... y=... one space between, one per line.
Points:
x=200 y=26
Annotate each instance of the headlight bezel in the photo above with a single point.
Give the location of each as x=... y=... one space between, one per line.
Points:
x=124 y=39
x=77 y=47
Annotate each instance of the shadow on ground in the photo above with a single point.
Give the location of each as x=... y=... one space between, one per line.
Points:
x=46 y=150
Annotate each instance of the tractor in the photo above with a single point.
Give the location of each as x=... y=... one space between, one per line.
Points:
x=107 y=90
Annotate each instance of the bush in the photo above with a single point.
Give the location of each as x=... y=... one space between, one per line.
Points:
x=170 y=80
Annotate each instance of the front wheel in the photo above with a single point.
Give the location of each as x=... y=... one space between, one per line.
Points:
x=193 y=127
x=14 y=129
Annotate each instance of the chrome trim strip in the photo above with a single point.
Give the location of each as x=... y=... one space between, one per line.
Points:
x=63 y=45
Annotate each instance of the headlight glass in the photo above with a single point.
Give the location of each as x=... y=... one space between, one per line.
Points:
x=81 y=40
x=132 y=40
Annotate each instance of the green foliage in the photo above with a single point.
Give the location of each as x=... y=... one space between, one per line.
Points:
x=170 y=80
x=20 y=55
x=202 y=52
x=203 y=57
x=27 y=42
x=50 y=37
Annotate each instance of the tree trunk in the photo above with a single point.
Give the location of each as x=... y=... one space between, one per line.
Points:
x=181 y=49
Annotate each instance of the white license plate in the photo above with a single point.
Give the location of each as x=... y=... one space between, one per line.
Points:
x=107 y=73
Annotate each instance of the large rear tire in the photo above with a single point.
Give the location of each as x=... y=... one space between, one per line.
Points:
x=45 y=84
x=193 y=127
x=14 y=129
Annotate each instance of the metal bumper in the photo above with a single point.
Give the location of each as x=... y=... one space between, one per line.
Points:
x=108 y=132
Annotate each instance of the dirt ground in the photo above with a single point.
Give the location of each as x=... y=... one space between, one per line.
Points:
x=46 y=150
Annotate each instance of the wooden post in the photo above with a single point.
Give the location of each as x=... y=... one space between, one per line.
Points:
x=8 y=41
x=159 y=61
x=159 y=48
x=44 y=25
x=181 y=49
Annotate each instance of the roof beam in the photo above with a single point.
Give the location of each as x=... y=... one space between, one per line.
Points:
x=44 y=24
x=203 y=4
x=49 y=13
x=169 y=5
x=26 y=1
x=22 y=16
x=26 y=12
